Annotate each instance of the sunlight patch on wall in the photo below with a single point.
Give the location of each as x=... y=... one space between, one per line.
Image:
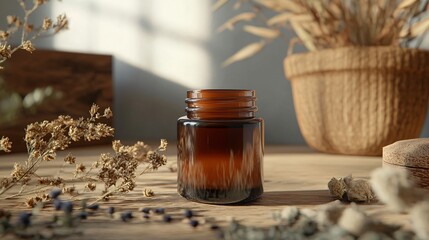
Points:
x=164 y=37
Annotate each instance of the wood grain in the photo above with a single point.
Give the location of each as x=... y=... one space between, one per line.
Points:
x=78 y=80
x=293 y=176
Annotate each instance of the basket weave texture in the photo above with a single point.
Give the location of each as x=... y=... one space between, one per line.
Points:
x=357 y=100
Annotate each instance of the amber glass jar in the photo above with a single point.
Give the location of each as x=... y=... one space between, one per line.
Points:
x=220 y=147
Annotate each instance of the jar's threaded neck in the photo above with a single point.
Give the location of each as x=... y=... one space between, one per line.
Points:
x=221 y=104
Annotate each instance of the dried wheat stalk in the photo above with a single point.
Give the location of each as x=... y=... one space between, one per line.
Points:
x=321 y=24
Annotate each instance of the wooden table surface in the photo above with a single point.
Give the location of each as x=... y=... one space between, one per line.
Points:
x=293 y=176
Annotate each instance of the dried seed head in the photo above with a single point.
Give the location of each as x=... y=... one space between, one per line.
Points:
x=91 y=186
x=39 y=2
x=70 y=159
x=11 y=19
x=29 y=28
x=70 y=190
x=47 y=24
x=61 y=24
x=108 y=113
x=94 y=110
x=5 y=51
x=4 y=35
x=148 y=192
x=28 y=46
x=5 y=144
x=80 y=168
x=163 y=145
x=51 y=181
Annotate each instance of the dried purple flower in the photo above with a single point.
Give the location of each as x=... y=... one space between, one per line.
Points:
x=167 y=218
x=83 y=215
x=110 y=210
x=126 y=216
x=24 y=219
x=193 y=223
x=188 y=213
x=93 y=207
x=57 y=204
x=55 y=193
x=159 y=210
x=67 y=206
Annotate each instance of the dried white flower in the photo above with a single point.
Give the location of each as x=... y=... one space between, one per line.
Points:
x=420 y=219
x=329 y=214
x=354 y=220
x=393 y=187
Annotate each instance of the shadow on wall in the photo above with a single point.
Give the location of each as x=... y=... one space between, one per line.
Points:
x=146 y=106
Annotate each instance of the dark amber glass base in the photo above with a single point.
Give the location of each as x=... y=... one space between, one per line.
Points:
x=221 y=196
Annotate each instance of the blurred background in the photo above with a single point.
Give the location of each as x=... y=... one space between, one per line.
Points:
x=161 y=48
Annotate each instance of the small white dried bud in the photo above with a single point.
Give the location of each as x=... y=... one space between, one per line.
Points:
x=329 y=214
x=354 y=220
x=393 y=187
x=5 y=144
x=94 y=110
x=420 y=219
x=108 y=113
x=289 y=215
x=116 y=145
x=163 y=145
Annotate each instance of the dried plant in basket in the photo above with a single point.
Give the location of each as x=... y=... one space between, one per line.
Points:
x=322 y=24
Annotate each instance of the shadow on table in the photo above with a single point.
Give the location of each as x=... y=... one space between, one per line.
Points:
x=302 y=197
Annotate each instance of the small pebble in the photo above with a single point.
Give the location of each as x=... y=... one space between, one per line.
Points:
x=194 y=223
x=144 y=210
x=110 y=210
x=67 y=206
x=93 y=207
x=83 y=215
x=167 y=218
x=57 y=204
x=55 y=193
x=24 y=219
x=188 y=213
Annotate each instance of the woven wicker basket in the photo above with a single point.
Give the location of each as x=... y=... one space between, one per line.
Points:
x=357 y=100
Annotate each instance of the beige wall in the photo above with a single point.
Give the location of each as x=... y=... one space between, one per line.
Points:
x=162 y=48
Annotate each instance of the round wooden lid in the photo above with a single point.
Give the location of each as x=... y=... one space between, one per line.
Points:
x=412 y=153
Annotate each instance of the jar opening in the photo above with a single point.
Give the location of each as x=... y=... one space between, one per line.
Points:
x=221 y=104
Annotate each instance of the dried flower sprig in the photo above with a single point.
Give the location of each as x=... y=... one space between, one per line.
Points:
x=118 y=171
x=332 y=23
x=43 y=139
x=28 y=31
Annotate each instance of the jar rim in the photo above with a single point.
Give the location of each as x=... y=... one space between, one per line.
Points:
x=221 y=104
x=214 y=93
